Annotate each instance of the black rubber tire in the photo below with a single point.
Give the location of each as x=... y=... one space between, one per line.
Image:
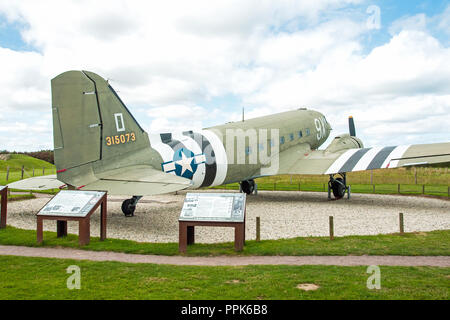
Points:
x=338 y=188
x=248 y=186
x=128 y=208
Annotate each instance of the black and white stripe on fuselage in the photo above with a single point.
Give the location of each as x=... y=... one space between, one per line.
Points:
x=196 y=155
x=367 y=159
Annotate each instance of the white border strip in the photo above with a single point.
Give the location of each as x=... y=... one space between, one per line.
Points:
x=367 y=159
x=337 y=165
x=163 y=149
x=395 y=157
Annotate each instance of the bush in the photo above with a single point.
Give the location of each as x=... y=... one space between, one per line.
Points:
x=46 y=155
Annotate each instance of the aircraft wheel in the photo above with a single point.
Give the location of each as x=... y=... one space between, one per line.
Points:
x=128 y=207
x=338 y=188
x=248 y=186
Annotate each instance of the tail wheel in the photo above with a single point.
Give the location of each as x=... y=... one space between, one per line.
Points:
x=128 y=207
x=248 y=186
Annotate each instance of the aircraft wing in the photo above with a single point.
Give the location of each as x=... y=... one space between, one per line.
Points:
x=301 y=160
x=133 y=180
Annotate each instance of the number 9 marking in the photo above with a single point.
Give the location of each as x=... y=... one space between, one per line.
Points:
x=319 y=128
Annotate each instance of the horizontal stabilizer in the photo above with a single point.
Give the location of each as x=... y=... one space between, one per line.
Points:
x=37 y=183
x=138 y=180
x=134 y=180
x=121 y=187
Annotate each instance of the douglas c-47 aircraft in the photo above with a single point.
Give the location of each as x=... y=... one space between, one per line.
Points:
x=100 y=146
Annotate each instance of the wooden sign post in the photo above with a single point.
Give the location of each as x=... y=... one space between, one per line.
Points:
x=4 y=206
x=72 y=205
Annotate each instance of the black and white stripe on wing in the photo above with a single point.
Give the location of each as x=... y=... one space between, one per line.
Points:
x=380 y=158
x=353 y=160
x=208 y=151
x=367 y=159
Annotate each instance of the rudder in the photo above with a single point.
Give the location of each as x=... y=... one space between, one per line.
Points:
x=76 y=120
x=121 y=133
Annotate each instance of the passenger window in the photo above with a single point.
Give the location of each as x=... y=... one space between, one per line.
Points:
x=282 y=140
x=300 y=134
x=291 y=136
x=308 y=132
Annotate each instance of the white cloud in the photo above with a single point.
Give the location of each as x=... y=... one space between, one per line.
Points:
x=22 y=84
x=172 y=57
x=417 y=22
x=178 y=112
x=160 y=125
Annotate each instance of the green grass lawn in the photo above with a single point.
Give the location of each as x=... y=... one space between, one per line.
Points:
x=411 y=244
x=15 y=164
x=44 y=278
x=19 y=197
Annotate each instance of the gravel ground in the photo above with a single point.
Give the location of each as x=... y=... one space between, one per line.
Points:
x=283 y=214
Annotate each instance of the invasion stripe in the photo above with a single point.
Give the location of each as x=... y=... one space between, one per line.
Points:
x=367 y=159
x=353 y=160
x=334 y=168
x=396 y=156
x=210 y=164
x=214 y=137
x=380 y=158
x=173 y=143
x=163 y=149
x=176 y=145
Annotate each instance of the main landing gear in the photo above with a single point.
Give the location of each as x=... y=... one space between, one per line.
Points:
x=248 y=186
x=129 y=205
x=338 y=186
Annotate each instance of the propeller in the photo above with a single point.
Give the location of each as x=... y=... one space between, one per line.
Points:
x=351 y=126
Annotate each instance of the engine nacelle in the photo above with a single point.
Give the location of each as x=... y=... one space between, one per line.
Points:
x=344 y=142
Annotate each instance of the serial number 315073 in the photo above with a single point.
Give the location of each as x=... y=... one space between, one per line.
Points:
x=120 y=139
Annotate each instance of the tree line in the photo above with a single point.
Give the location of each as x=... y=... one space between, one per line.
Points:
x=46 y=155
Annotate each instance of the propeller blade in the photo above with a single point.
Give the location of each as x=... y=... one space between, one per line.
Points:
x=351 y=126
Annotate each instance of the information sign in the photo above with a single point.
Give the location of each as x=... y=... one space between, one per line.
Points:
x=219 y=207
x=71 y=203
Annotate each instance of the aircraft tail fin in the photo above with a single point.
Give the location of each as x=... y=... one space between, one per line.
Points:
x=90 y=124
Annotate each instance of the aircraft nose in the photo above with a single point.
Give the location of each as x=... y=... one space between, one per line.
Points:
x=328 y=125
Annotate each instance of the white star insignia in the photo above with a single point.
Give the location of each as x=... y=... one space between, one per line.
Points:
x=185 y=163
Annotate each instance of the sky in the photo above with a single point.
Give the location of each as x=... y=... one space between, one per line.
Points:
x=192 y=64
